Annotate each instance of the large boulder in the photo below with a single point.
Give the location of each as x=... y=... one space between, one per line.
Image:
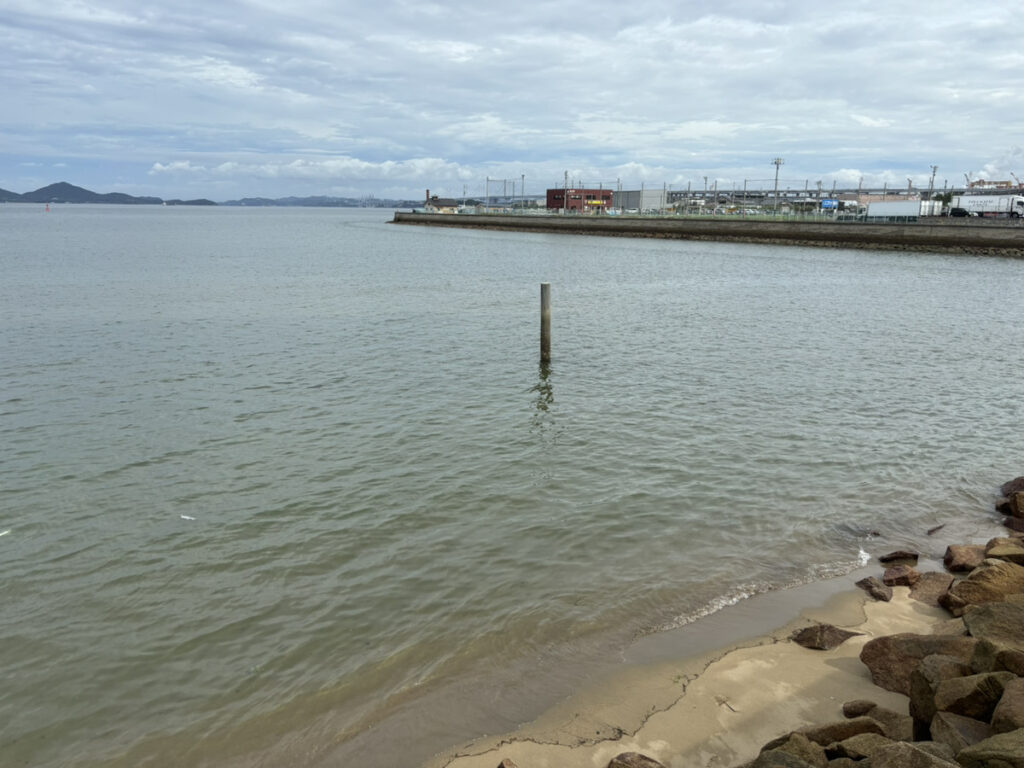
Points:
x=959 y=558
x=858 y=747
x=634 y=760
x=798 y=745
x=822 y=637
x=990 y=582
x=1004 y=750
x=924 y=681
x=1009 y=549
x=1001 y=622
x=891 y=659
x=990 y=656
x=958 y=731
x=1012 y=486
x=903 y=755
x=894 y=725
x=899 y=556
x=972 y=696
x=1009 y=712
x=829 y=733
x=1016 y=504
x=931 y=586
x=901 y=576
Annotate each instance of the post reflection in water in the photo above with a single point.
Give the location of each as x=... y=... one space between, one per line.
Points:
x=544 y=388
x=543 y=418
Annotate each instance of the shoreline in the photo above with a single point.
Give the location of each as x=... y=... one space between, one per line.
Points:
x=944 y=236
x=719 y=706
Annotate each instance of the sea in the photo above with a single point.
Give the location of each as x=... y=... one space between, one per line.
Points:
x=291 y=486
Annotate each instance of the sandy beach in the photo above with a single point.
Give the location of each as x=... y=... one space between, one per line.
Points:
x=715 y=707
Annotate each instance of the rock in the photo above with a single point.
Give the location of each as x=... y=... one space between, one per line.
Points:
x=924 y=681
x=903 y=755
x=899 y=556
x=845 y=762
x=822 y=637
x=1009 y=712
x=841 y=729
x=798 y=745
x=506 y=763
x=931 y=587
x=892 y=658
x=1001 y=622
x=1010 y=550
x=1014 y=523
x=901 y=576
x=973 y=696
x=1011 y=487
x=777 y=759
x=963 y=558
x=1004 y=750
x=634 y=760
x=858 y=707
x=874 y=587
x=858 y=747
x=991 y=656
x=958 y=731
x=1016 y=504
x=989 y=582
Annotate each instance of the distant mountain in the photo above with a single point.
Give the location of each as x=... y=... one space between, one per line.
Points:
x=62 y=192
x=9 y=197
x=200 y=201
x=320 y=201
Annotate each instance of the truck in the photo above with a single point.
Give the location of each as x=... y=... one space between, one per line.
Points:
x=903 y=210
x=987 y=205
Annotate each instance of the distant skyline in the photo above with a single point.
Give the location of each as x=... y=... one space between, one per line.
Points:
x=242 y=98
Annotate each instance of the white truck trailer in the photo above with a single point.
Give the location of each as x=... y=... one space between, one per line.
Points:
x=904 y=209
x=987 y=205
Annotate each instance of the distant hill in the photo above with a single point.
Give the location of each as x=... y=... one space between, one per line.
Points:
x=9 y=197
x=320 y=201
x=62 y=192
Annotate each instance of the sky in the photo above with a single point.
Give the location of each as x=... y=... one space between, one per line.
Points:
x=389 y=98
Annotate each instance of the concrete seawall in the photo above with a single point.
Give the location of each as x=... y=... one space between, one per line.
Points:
x=998 y=238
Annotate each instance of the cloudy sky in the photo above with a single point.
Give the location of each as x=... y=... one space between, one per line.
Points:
x=389 y=97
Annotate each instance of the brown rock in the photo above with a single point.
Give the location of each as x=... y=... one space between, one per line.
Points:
x=1014 y=523
x=901 y=576
x=892 y=658
x=874 y=587
x=1004 y=750
x=841 y=729
x=858 y=707
x=1001 y=622
x=1009 y=712
x=973 y=696
x=775 y=758
x=900 y=555
x=990 y=582
x=1010 y=550
x=822 y=637
x=634 y=760
x=958 y=731
x=931 y=587
x=506 y=763
x=991 y=656
x=963 y=558
x=800 y=746
x=858 y=747
x=925 y=679
x=903 y=755
x=1012 y=486
x=1016 y=504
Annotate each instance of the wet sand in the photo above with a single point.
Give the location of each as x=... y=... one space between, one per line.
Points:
x=712 y=693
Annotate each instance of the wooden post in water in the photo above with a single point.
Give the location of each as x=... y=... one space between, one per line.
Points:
x=545 y=322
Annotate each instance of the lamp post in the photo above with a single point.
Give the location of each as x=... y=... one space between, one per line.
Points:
x=777 y=162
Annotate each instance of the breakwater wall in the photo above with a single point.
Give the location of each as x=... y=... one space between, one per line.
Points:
x=997 y=238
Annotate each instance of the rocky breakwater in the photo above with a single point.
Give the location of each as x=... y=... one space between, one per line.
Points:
x=963 y=683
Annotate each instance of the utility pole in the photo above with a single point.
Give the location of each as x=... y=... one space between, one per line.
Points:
x=777 y=162
x=931 y=184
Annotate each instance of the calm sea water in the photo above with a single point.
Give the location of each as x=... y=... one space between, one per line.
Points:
x=280 y=486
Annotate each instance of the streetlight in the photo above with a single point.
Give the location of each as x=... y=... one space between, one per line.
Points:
x=777 y=162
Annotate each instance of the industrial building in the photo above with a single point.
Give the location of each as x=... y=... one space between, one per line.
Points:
x=579 y=200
